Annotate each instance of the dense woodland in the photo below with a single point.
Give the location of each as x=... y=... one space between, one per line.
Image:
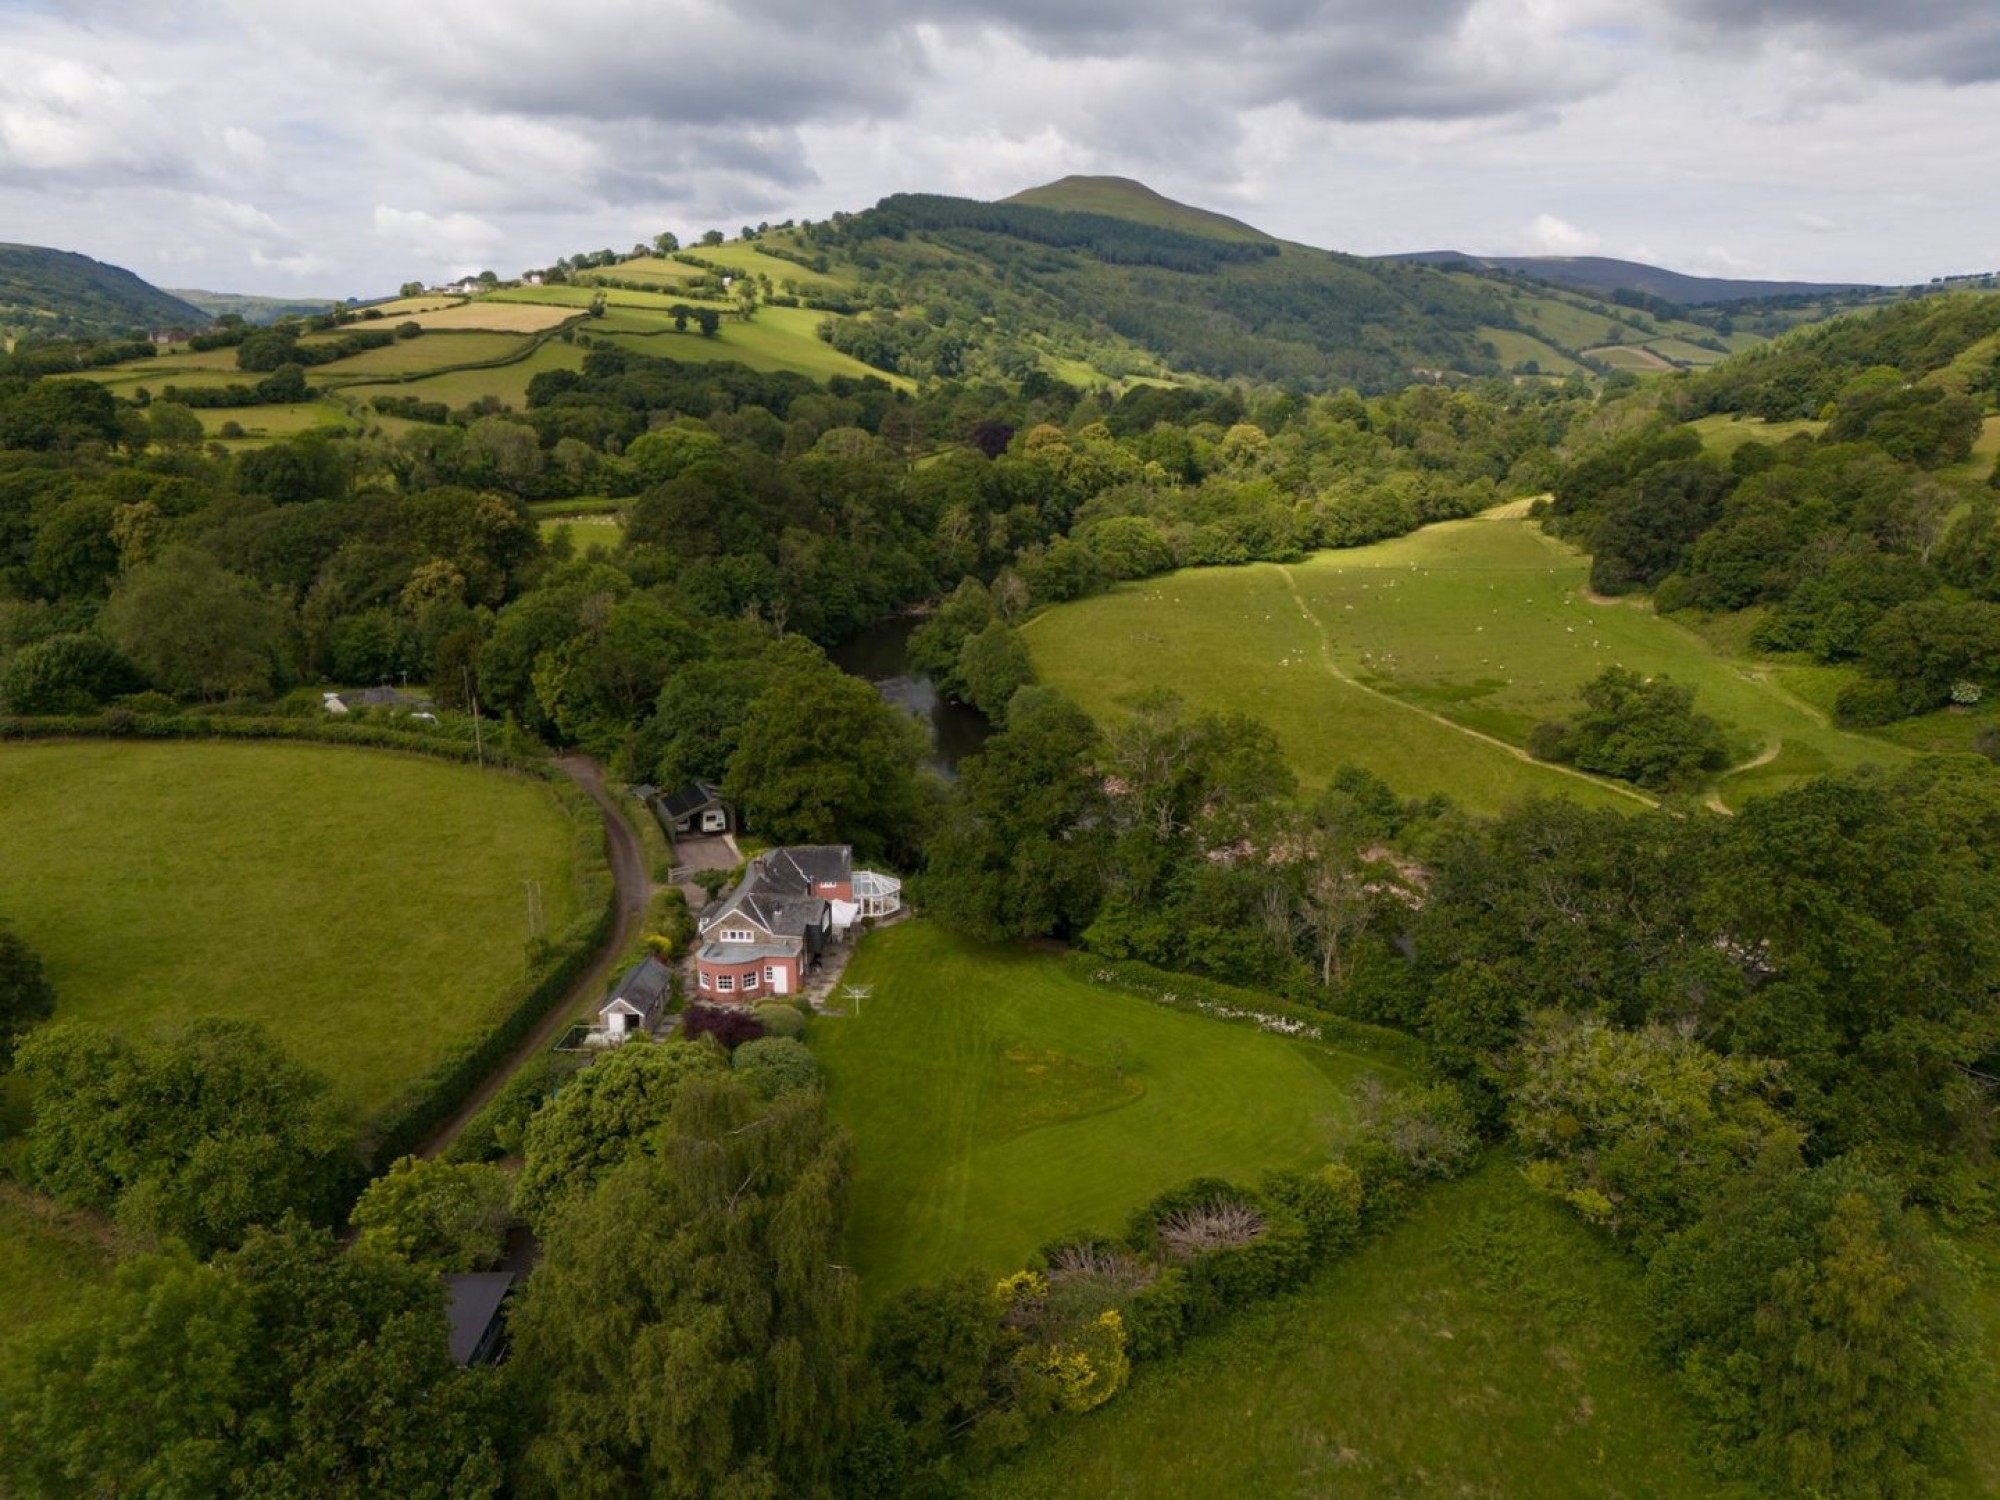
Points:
x=1759 y=1053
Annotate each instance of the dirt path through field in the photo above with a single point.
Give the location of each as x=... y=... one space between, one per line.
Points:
x=1762 y=758
x=634 y=889
x=1334 y=670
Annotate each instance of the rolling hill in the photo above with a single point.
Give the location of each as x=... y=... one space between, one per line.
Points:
x=252 y=308
x=63 y=294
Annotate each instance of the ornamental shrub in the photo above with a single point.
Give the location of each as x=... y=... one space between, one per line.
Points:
x=726 y=1023
x=780 y=1018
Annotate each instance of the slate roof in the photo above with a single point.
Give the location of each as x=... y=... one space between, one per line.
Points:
x=804 y=867
x=472 y=1302
x=645 y=988
x=776 y=892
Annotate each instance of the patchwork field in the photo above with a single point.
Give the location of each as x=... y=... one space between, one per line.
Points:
x=778 y=338
x=494 y=315
x=1487 y=1347
x=1426 y=659
x=508 y=383
x=433 y=351
x=365 y=907
x=996 y=1100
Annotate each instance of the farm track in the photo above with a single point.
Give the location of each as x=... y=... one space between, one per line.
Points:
x=633 y=889
x=1334 y=670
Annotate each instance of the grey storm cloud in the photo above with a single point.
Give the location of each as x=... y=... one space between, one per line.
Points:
x=301 y=139
x=1949 y=41
x=788 y=63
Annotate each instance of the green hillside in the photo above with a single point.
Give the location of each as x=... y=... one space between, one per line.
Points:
x=58 y=293
x=1122 y=198
x=1103 y=276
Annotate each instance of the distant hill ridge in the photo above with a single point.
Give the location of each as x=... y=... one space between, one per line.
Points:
x=1599 y=273
x=58 y=292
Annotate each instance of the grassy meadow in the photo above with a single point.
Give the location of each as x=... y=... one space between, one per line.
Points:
x=366 y=908
x=996 y=1100
x=1426 y=659
x=1488 y=1346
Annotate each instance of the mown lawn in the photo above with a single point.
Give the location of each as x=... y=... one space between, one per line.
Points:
x=997 y=1101
x=1490 y=1346
x=367 y=908
x=1357 y=655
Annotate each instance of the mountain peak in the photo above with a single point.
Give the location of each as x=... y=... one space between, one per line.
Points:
x=1123 y=198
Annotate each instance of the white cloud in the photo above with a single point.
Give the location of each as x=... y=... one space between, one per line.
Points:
x=458 y=238
x=1553 y=236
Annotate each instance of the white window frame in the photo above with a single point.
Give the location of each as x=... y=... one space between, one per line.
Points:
x=725 y=984
x=750 y=980
x=738 y=935
x=770 y=974
x=704 y=979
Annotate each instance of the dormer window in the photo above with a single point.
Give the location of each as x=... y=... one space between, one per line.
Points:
x=738 y=935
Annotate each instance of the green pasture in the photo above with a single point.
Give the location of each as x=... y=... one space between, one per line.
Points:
x=48 y=1258
x=1685 y=353
x=367 y=908
x=996 y=1100
x=508 y=383
x=1571 y=327
x=778 y=338
x=1427 y=659
x=1985 y=450
x=429 y=351
x=1723 y=433
x=1489 y=1346
x=409 y=307
x=585 y=532
x=270 y=423
x=1635 y=357
x=650 y=268
x=583 y=296
x=742 y=257
x=1515 y=348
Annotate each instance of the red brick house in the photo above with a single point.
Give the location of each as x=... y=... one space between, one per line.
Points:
x=791 y=905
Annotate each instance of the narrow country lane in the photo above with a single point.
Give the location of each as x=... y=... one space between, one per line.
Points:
x=633 y=890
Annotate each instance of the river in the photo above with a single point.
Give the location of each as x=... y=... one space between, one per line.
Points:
x=880 y=654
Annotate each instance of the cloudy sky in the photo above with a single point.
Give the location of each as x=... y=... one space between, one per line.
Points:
x=343 y=146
